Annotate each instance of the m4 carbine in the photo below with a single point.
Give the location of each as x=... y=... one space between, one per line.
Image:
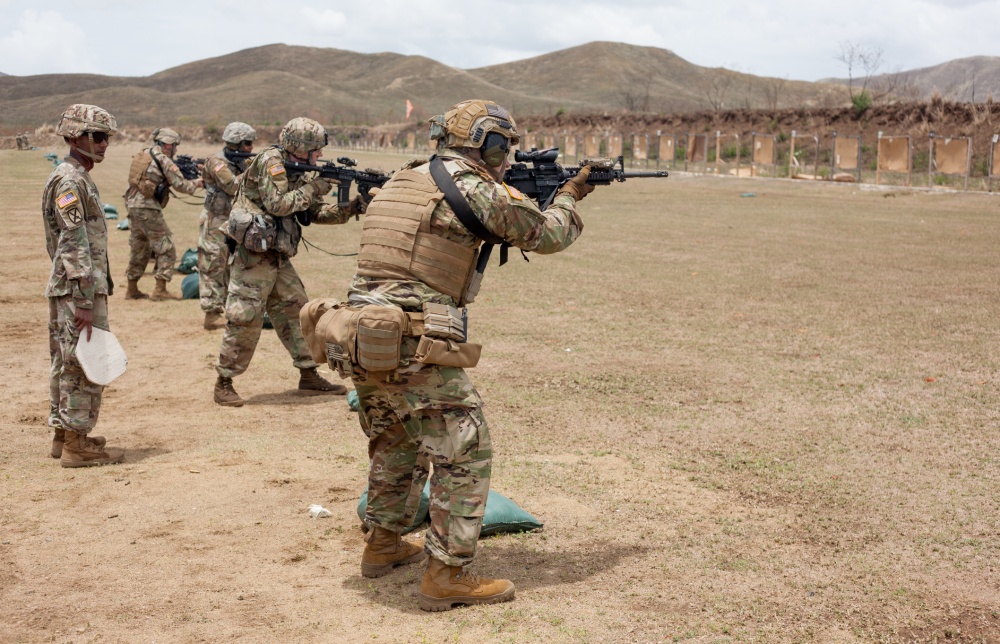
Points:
x=541 y=180
x=189 y=166
x=343 y=175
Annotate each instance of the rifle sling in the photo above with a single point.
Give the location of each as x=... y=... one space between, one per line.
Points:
x=463 y=211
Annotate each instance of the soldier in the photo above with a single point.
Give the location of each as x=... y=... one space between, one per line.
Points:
x=19 y=141
x=422 y=410
x=26 y=140
x=220 y=175
x=150 y=178
x=264 y=223
x=76 y=237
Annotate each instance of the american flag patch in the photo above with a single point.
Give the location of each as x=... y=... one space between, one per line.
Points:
x=218 y=166
x=514 y=192
x=67 y=199
x=276 y=169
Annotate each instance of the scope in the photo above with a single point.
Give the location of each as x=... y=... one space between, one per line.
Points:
x=348 y=161
x=537 y=156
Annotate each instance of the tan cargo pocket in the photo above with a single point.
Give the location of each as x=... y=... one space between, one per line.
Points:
x=448 y=353
x=379 y=333
x=242 y=304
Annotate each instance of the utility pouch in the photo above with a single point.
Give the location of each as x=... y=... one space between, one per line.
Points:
x=237 y=224
x=444 y=321
x=379 y=332
x=260 y=234
x=447 y=353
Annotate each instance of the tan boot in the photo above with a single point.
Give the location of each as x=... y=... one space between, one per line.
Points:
x=310 y=380
x=444 y=587
x=79 y=452
x=60 y=436
x=214 y=320
x=133 y=292
x=160 y=292
x=386 y=550
x=225 y=395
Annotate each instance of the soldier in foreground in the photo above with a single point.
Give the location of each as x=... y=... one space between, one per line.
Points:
x=220 y=175
x=76 y=237
x=150 y=178
x=264 y=225
x=425 y=407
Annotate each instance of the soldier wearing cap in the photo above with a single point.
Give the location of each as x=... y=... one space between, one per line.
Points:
x=417 y=253
x=151 y=176
x=76 y=237
x=220 y=175
x=264 y=226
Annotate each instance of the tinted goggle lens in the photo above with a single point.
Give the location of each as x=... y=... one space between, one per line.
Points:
x=101 y=137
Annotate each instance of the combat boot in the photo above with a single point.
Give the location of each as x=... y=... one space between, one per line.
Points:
x=225 y=395
x=60 y=436
x=160 y=292
x=310 y=380
x=386 y=550
x=77 y=451
x=133 y=292
x=443 y=587
x=214 y=320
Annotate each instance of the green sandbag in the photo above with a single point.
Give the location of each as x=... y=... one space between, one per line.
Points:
x=502 y=515
x=267 y=321
x=123 y=224
x=189 y=262
x=352 y=399
x=110 y=212
x=189 y=287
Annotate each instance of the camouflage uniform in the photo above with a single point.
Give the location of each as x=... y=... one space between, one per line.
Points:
x=221 y=176
x=76 y=237
x=148 y=231
x=422 y=412
x=267 y=281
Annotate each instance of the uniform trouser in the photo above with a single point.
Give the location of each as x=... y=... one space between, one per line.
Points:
x=149 y=233
x=213 y=263
x=260 y=282
x=427 y=414
x=74 y=401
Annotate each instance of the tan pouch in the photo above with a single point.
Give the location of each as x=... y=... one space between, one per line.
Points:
x=331 y=338
x=447 y=353
x=379 y=332
x=137 y=174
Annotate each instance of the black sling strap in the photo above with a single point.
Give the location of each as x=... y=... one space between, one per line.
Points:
x=464 y=213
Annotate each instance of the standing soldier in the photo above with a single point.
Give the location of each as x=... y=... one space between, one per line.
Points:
x=264 y=223
x=220 y=175
x=76 y=237
x=419 y=254
x=152 y=174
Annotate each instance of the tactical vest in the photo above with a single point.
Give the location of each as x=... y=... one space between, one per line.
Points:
x=399 y=242
x=137 y=174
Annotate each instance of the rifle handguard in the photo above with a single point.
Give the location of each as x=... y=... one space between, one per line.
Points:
x=578 y=186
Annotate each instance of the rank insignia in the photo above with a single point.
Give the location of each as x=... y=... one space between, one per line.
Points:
x=67 y=199
x=514 y=192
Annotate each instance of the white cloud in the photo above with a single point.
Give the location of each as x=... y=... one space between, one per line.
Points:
x=45 y=43
x=326 y=21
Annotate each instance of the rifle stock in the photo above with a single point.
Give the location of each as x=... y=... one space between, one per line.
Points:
x=541 y=180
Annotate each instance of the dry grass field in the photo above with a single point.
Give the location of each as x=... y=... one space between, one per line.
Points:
x=766 y=418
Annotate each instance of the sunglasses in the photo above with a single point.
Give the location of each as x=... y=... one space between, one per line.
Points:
x=101 y=137
x=246 y=143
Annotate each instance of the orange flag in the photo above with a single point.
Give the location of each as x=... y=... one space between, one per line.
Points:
x=409 y=109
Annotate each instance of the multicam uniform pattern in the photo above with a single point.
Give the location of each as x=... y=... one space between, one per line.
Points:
x=76 y=238
x=267 y=281
x=220 y=176
x=148 y=230
x=422 y=413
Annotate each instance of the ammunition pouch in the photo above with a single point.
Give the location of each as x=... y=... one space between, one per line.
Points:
x=447 y=353
x=369 y=337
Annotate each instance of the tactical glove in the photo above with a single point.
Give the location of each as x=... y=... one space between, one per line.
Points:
x=578 y=186
x=357 y=206
x=320 y=186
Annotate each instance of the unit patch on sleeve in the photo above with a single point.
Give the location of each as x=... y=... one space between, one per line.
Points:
x=72 y=217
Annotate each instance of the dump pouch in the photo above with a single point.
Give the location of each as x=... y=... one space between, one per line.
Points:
x=379 y=333
x=260 y=234
x=447 y=353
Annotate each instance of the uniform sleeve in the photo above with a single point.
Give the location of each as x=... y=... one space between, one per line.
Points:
x=277 y=199
x=224 y=177
x=174 y=176
x=517 y=220
x=73 y=247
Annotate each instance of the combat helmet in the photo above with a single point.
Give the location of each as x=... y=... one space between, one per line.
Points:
x=166 y=135
x=476 y=124
x=80 y=119
x=302 y=135
x=238 y=132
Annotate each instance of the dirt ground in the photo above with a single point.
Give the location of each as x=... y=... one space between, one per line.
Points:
x=746 y=411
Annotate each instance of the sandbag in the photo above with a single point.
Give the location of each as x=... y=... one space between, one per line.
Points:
x=189 y=262
x=189 y=287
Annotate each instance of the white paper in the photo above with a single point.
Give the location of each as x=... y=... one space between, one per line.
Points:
x=103 y=358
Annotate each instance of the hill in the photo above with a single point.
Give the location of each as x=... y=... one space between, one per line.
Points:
x=273 y=83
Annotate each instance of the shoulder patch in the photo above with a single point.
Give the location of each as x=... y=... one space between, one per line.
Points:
x=513 y=192
x=67 y=199
x=72 y=217
x=218 y=166
x=276 y=169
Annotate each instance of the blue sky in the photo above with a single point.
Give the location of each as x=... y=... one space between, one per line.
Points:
x=780 y=38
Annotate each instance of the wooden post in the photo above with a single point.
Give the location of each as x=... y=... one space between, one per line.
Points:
x=737 y=155
x=791 y=155
x=909 y=161
x=930 y=161
x=968 y=161
x=718 y=150
x=816 y=160
x=833 y=156
x=989 y=176
x=878 y=159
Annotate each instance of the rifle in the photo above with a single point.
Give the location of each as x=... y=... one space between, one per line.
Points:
x=541 y=181
x=343 y=175
x=189 y=166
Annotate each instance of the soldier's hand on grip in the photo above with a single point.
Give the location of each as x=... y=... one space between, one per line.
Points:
x=578 y=186
x=357 y=206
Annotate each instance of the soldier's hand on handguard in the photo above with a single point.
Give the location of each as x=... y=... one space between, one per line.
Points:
x=578 y=186
x=319 y=186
